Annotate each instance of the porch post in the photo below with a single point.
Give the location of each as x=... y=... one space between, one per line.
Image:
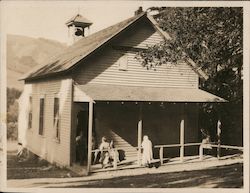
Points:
x=139 y=135
x=218 y=136
x=182 y=131
x=90 y=126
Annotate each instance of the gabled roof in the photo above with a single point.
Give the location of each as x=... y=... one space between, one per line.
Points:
x=72 y=55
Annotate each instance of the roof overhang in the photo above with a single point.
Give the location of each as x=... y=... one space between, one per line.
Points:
x=99 y=92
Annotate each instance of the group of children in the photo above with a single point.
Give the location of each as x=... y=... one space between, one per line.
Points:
x=108 y=154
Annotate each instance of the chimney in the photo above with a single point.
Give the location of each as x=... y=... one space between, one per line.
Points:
x=138 y=11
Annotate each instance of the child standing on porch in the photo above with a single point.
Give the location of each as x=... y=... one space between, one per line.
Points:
x=104 y=147
x=147 y=154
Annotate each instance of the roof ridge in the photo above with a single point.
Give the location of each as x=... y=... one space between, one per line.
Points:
x=35 y=70
x=100 y=31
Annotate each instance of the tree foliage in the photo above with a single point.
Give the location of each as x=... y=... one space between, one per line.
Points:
x=12 y=112
x=213 y=38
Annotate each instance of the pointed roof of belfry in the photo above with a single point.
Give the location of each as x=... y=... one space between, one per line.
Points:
x=79 y=19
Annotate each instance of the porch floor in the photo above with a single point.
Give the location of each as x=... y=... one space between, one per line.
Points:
x=132 y=163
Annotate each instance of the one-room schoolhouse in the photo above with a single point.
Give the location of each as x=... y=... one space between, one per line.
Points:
x=98 y=87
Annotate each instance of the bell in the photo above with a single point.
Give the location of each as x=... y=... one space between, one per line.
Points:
x=79 y=32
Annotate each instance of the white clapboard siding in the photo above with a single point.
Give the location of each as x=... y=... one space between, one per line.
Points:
x=104 y=67
x=105 y=70
x=47 y=146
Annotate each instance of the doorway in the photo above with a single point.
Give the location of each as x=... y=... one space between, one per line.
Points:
x=80 y=134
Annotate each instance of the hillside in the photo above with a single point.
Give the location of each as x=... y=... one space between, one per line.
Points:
x=23 y=53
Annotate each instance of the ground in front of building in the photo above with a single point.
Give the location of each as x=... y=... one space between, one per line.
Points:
x=208 y=174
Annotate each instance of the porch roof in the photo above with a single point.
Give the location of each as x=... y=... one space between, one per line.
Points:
x=99 y=92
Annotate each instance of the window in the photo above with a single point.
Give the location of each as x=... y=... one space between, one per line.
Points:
x=41 y=117
x=30 y=113
x=56 y=117
x=123 y=63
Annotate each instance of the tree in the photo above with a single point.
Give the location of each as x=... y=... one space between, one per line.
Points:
x=12 y=112
x=213 y=38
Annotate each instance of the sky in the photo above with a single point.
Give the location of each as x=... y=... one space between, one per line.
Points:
x=47 y=19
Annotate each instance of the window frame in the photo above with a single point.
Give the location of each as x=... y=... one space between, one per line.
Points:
x=30 y=113
x=41 y=116
x=56 y=117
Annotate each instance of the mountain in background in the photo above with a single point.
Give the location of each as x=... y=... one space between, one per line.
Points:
x=24 y=53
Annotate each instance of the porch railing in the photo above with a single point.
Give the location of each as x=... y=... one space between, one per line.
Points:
x=201 y=147
x=161 y=148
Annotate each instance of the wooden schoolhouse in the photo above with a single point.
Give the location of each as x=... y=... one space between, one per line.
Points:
x=99 y=87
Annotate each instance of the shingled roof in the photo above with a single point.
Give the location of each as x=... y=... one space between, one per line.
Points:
x=101 y=92
x=72 y=55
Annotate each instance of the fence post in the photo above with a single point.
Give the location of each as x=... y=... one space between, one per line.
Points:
x=115 y=158
x=182 y=140
x=201 y=152
x=161 y=155
x=219 y=138
x=139 y=128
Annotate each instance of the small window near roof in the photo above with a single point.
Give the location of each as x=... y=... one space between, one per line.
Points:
x=123 y=63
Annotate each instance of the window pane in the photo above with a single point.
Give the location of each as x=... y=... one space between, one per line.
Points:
x=41 y=117
x=30 y=113
x=56 y=117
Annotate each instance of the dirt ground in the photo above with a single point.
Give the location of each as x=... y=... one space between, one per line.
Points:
x=223 y=176
x=217 y=177
x=32 y=168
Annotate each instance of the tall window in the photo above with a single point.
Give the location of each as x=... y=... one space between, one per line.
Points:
x=30 y=113
x=56 y=117
x=41 y=117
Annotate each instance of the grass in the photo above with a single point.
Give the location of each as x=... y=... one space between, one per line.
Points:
x=34 y=168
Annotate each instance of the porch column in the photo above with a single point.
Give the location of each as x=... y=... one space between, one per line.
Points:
x=90 y=127
x=139 y=135
x=218 y=136
x=182 y=131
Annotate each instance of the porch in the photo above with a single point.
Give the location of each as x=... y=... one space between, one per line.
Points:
x=168 y=115
x=220 y=155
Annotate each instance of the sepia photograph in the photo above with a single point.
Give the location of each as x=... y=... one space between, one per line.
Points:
x=125 y=94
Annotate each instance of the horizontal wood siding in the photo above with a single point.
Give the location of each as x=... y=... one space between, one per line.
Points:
x=103 y=68
x=46 y=145
x=119 y=122
x=142 y=36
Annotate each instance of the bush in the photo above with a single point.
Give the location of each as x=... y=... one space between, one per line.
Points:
x=12 y=130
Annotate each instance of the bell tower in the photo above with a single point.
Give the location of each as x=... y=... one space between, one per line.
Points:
x=77 y=26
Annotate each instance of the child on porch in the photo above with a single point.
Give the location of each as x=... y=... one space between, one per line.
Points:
x=147 y=154
x=104 y=148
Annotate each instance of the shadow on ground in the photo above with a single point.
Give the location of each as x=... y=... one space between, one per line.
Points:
x=230 y=176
